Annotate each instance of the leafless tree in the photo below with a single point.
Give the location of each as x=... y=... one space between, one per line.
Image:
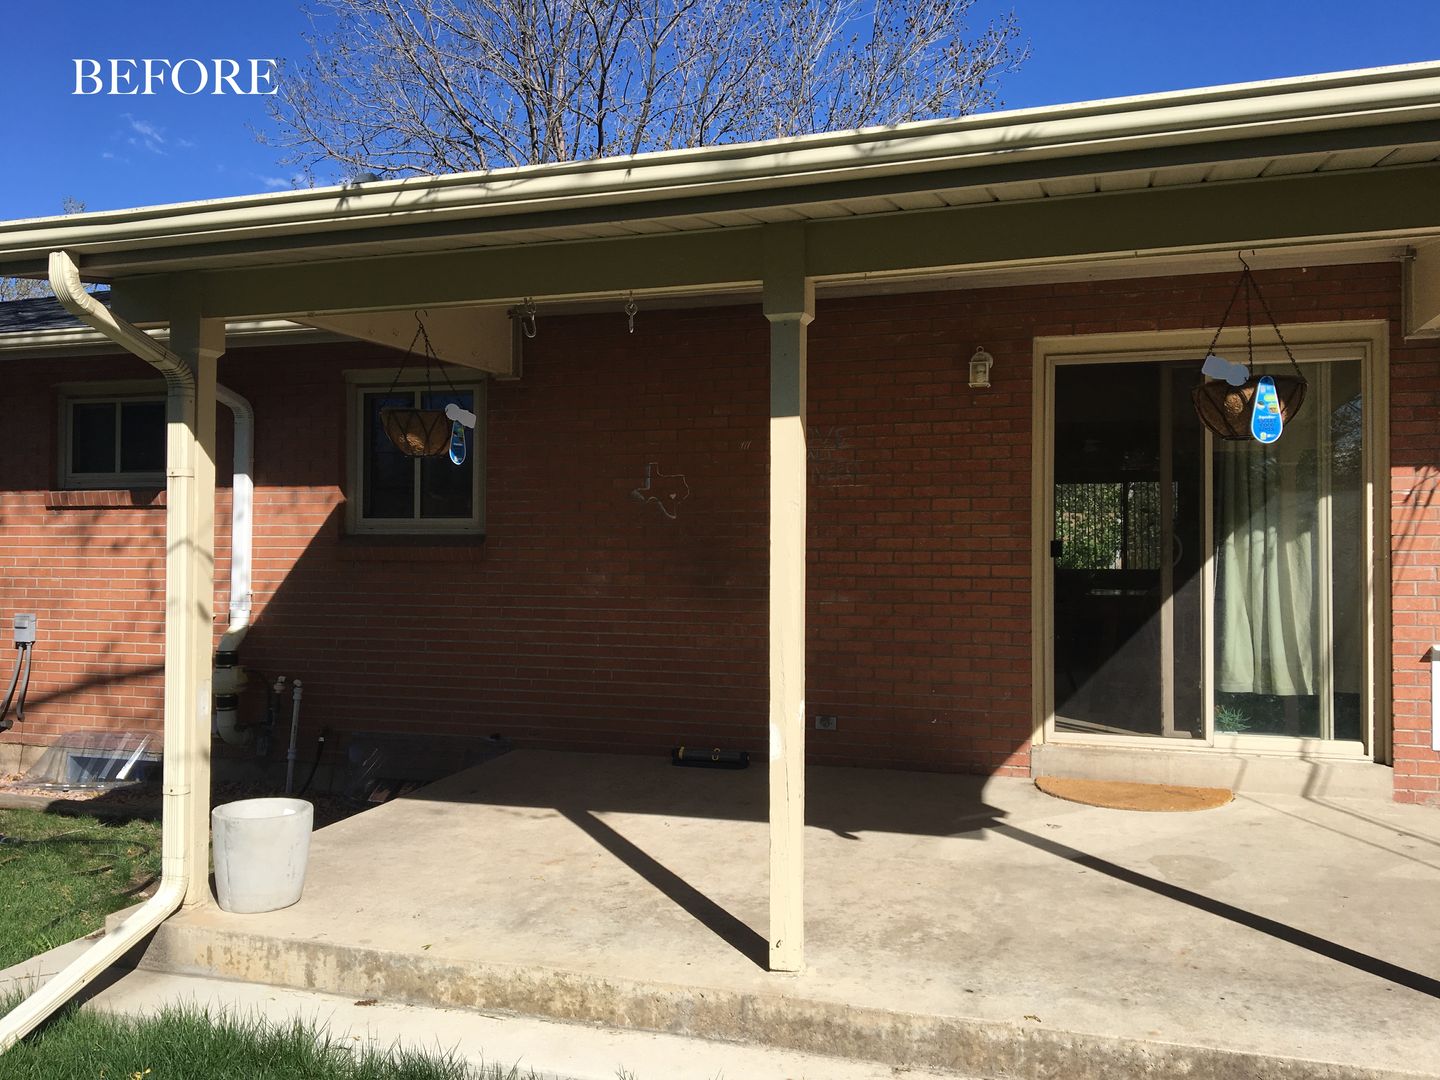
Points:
x=25 y=288
x=397 y=87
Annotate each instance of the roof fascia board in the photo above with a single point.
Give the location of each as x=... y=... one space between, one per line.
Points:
x=1398 y=202
x=103 y=265
x=1277 y=210
x=672 y=262
x=1346 y=100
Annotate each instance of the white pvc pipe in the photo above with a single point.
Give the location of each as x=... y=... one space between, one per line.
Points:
x=180 y=736
x=242 y=521
x=1435 y=697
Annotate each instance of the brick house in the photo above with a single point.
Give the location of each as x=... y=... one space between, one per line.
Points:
x=1059 y=571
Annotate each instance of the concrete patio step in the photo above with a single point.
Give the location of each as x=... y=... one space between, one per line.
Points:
x=894 y=1039
x=553 y=1051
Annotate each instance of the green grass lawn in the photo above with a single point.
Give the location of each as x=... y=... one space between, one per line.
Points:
x=61 y=875
x=183 y=1044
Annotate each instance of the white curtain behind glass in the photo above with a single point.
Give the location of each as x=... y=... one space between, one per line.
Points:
x=1267 y=626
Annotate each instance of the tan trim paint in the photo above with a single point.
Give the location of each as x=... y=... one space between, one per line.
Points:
x=790 y=306
x=1366 y=339
x=1422 y=291
x=1280 y=211
x=189 y=612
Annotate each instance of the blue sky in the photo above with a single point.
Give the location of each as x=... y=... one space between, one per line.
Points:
x=131 y=151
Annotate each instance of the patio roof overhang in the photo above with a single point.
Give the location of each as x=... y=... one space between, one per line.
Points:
x=1347 y=157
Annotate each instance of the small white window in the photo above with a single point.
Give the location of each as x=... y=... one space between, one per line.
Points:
x=392 y=493
x=112 y=440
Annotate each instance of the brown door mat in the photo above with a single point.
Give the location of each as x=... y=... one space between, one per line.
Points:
x=1124 y=795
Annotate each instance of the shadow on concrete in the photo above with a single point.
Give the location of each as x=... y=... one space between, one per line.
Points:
x=742 y=938
x=847 y=805
x=1331 y=950
x=919 y=804
x=870 y=800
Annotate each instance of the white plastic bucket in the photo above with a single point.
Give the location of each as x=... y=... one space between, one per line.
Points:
x=261 y=848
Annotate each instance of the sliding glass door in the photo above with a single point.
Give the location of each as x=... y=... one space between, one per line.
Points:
x=1289 y=530
x=1203 y=590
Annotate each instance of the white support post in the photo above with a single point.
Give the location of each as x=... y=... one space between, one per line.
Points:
x=789 y=304
x=190 y=588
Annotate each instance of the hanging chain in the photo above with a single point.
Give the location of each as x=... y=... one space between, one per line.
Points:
x=431 y=360
x=419 y=329
x=1265 y=307
x=1249 y=317
x=1224 y=319
x=630 y=309
x=1248 y=283
x=527 y=318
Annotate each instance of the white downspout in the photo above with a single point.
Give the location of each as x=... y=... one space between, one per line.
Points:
x=229 y=678
x=180 y=750
x=242 y=519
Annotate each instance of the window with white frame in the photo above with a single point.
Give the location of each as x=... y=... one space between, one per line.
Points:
x=392 y=493
x=112 y=438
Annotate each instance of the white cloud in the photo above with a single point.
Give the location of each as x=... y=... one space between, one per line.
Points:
x=142 y=134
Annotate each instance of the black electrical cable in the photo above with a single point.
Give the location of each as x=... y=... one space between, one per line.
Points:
x=314 y=765
x=24 y=687
x=21 y=660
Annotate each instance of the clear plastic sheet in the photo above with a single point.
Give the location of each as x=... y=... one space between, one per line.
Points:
x=96 y=759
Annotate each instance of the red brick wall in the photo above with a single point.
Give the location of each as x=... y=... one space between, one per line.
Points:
x=588 y=620
x=1415 y=560
x=94 y=576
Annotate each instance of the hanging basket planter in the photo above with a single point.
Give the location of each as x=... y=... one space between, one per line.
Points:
x=1226 y=409
x=417 y=432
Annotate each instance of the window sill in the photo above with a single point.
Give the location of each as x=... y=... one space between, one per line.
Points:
x=412 y=549
x=150 y=498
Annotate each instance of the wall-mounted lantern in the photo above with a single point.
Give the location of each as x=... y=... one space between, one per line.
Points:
x=980 y=365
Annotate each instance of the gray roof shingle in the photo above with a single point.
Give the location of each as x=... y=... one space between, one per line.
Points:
x=41 y=313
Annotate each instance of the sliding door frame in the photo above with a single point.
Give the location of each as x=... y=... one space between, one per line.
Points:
x=1367 y=342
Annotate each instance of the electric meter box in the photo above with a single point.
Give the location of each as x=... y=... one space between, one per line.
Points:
x=24 y=629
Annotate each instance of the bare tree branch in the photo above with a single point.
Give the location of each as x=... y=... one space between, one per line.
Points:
x=400 y=87
x=27 y=288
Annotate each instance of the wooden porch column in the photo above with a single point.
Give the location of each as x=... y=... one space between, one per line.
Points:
x=190 y=580
x=789 y=304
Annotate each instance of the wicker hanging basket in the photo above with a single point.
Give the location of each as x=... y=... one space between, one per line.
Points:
x=417 y=432
x=1226 y=409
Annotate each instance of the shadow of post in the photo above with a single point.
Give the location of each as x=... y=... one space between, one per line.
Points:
x=715 y=918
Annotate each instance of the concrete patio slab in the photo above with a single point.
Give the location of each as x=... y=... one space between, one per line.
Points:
x=956 y=923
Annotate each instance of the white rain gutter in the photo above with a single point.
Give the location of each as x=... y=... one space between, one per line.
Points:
x=1334 y=102
x=179 y=746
